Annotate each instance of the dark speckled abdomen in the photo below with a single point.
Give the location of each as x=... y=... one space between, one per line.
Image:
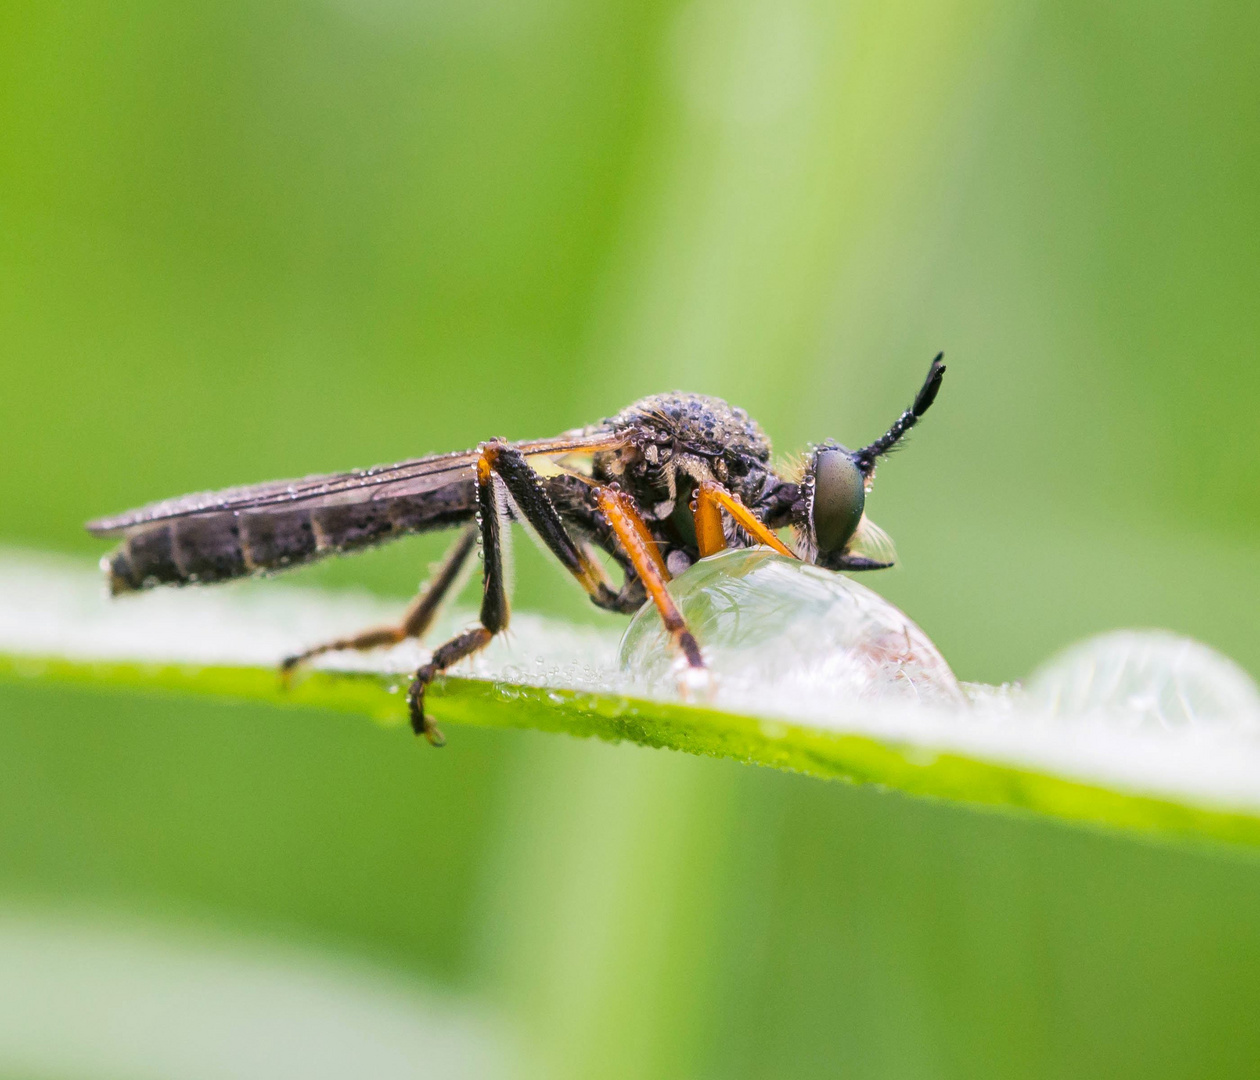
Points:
x=212 y=547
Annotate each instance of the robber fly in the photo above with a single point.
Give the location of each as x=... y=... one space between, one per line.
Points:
x=667 y=481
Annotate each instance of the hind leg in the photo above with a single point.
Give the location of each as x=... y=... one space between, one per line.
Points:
x=419 y=615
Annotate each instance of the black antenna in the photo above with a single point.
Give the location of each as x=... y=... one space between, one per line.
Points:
x=865 y=458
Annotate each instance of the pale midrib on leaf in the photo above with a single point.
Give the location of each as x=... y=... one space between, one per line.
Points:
x=812 y=751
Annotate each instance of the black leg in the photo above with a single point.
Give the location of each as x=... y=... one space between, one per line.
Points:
x=526 y=488
x=444 y=656
x=495 y=613
x=502 y=473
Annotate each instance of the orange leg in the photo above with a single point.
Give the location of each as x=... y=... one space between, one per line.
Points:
x=418 y=617
x=711 y=499
x=626 y=522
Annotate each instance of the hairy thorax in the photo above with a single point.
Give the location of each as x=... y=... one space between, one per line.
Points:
x=677 y=440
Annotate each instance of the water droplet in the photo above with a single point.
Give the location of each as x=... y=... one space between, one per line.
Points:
x=1147 y=679
x=773 y=625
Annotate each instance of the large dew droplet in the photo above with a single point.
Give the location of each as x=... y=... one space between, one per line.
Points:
x=768 y=622
x=1147 y=680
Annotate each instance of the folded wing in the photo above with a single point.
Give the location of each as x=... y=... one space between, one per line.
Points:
x=218 y=535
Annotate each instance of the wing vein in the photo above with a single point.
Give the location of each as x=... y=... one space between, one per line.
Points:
x=378 y=484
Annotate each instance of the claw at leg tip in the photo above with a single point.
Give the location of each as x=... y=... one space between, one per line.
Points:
x=425 y=727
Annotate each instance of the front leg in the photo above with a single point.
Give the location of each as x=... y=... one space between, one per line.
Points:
x=711 y=499
x=627 y=523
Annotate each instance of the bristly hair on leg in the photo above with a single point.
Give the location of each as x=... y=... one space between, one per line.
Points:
x=865 y=458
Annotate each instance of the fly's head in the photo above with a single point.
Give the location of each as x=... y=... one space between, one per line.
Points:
x=830 y=513
x=831 y=521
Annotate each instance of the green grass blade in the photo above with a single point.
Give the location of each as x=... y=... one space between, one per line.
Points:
x=923 y=765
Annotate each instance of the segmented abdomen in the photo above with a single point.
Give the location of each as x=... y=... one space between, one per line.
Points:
x=218 y=546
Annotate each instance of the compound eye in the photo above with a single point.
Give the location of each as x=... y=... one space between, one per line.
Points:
x=839 y=498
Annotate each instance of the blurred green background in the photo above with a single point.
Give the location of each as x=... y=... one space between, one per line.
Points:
x=241 y=241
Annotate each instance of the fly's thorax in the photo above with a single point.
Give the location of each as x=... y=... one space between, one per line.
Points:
x=706 y=427
x=674 y=441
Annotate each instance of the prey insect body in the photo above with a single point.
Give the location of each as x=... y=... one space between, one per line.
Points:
x=668 y=480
